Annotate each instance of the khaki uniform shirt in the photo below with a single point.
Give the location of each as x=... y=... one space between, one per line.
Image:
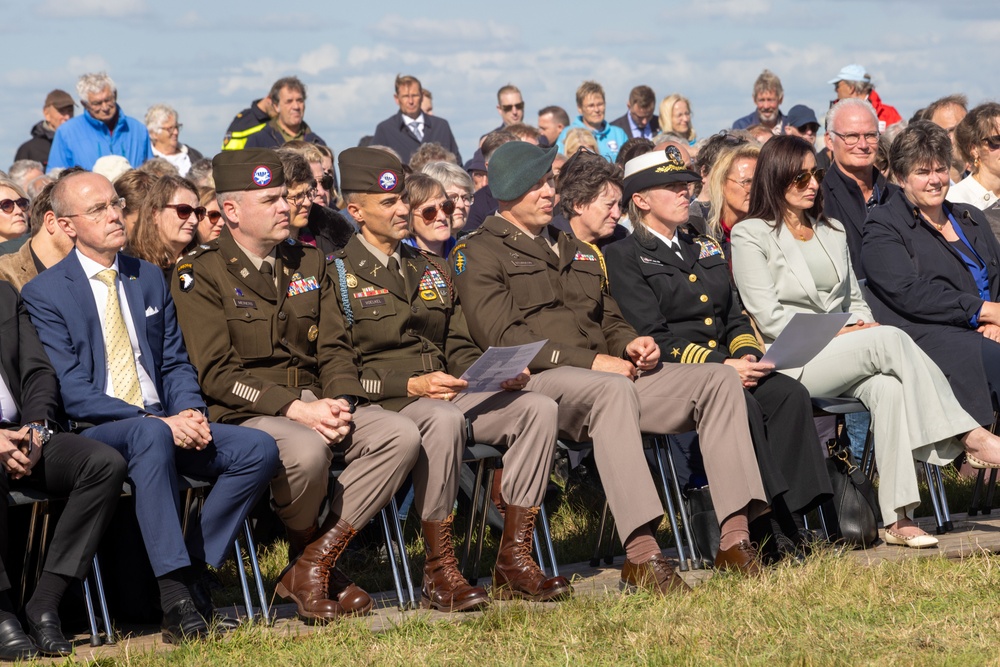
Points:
x=515 y=292
x=401 y=328
x=256 y=347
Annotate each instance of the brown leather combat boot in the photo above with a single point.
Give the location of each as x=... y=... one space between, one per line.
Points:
x=298 y=539
x=445 y=589
x=307 y=581
x=516 y=574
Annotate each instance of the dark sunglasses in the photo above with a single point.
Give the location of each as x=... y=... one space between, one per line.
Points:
x=801 y=180
x=184 y=211
x=213 y=216
x=993 y=143
x=7 y=205
x=327 y=181
x=428 y=213
x=507 y=108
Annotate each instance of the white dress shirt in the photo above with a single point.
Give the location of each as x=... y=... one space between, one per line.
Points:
x=91 y=269
x=8 y=407
x=672 y=244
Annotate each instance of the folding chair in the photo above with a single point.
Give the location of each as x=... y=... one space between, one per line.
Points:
x=38 y=529
x=483 y=459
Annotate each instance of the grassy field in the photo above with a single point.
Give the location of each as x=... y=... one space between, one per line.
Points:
x=831 y=611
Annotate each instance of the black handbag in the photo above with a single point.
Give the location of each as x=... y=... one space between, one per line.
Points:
x=852 y=514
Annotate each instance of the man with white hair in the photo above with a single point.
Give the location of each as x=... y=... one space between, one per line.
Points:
x=164 y=128
x=102 y=129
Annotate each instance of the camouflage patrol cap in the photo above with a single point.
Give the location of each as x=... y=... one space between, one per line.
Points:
x=370 y=170
x=249 y=169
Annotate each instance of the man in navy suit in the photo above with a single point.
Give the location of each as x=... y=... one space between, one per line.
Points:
x=403 y=132
x=108 y=324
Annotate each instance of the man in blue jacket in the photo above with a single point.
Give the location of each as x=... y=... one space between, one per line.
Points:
x=591 y=105
x=103 y=129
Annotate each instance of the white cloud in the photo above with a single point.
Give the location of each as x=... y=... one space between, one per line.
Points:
x=444 y=32
x=93 y=8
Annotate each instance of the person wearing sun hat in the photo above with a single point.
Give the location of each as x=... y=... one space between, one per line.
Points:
x=261 y=324
x=520 y=282
x=853 y=81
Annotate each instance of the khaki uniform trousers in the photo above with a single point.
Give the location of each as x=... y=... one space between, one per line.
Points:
x=379 y=452
x=915 y=414
x=523 y=422
x=613 y=412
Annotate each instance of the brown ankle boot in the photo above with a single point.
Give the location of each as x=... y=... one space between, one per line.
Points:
x=307 y=581
x=516 y=574
x=298 y=539
x=445 y=589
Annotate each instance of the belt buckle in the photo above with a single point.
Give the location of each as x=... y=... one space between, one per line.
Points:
x=293 y=377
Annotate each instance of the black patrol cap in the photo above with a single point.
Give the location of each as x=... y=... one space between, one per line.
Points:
x=371 y=171
x=656 y=168
x=249 y=169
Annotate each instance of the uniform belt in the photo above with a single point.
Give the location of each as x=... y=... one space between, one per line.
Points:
x=292 y=377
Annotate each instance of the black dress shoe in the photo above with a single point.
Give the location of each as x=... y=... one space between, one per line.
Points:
x=203 y=601
x=14 y=644
x=183 y=622
x=48 y=636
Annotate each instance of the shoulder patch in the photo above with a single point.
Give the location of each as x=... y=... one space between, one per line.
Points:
x=461 y=263
x=185 y=275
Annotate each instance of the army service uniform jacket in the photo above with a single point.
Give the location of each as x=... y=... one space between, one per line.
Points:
x=687 y=305
x=257 y=348
x=520 y=293
x=401 y=331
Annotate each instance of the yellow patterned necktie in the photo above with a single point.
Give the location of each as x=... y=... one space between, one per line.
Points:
x=118 y=347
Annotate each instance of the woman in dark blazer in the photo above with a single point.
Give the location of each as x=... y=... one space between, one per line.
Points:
x=675 y=287
x=934 y=269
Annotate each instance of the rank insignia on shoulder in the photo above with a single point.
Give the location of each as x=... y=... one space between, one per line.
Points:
x=709 y=247
x=185 y=274
x=581 y=257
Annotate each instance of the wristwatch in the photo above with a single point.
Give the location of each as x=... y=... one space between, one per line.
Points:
x=43 y=431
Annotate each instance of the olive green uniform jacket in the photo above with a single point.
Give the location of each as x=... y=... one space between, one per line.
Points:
x=401 y=328
x=257 y=348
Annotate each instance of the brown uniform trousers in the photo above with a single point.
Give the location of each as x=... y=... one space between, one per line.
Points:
x=516 y=292
x=258 y=348
x=409 y=325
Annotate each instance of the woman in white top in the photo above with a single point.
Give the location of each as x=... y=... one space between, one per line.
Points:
x=977 y=137
x=788 y=258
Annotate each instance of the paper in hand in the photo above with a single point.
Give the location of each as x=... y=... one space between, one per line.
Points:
x=499 y=364
x=803 y=338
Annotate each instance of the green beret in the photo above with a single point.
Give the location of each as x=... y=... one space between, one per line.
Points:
x=515 y=168
x=370 y=170
x=249 y=169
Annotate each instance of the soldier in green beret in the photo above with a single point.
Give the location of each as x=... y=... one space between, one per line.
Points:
x=409 y=332
x=262 y=326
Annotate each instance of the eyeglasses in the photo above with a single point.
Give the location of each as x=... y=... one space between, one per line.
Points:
x=745 y=183
x=7 y=205
x=507 y=108
x=327 y=181
x=184 y=211
x=801 y=180
x=457 y=197
x=100 y=210
x=428 y=213
x=214 y=216
x=297 y=200
x=173 y=128
x=852 y=138
x=993 y=142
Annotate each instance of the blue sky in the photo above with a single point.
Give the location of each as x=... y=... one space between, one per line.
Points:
x=210 y=59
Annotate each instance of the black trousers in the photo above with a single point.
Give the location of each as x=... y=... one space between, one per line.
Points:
x=792 y=463
x=89 y=474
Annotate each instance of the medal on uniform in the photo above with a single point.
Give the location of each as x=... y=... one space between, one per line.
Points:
x=302 y=285
x=313 y=333
x=352 y=280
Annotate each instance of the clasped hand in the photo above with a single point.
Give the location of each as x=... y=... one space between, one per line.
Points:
x=751 y=371
x=330 y=417
x=16 y=455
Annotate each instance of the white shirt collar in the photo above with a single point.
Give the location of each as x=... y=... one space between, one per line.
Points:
x=92 y=268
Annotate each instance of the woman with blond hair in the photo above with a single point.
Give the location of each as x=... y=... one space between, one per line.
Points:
x=675 y=117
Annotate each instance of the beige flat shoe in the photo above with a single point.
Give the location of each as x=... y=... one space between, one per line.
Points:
x=979 y=464
x=912 y=541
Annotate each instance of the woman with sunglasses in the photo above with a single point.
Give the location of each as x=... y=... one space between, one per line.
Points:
x=309 y=222
x=168 y=218
x=933 y=268
x=977 y=138
x=729 y=182
x=458 y=186
x=430 y=215
x=210 y=227
x=789 y=258
x=14 y=211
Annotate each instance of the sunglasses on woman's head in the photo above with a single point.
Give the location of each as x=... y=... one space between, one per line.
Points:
x=184 y=211
x=801 y=180
x=428 y=213
x=7 y=205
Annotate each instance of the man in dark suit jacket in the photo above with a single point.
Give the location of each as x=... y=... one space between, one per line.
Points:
x=403 y=132
x=640 y=121
x=33 y=448
x=133 y=388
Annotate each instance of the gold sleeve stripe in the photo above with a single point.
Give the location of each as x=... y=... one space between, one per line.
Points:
x=743 y=340
x=694 y=354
